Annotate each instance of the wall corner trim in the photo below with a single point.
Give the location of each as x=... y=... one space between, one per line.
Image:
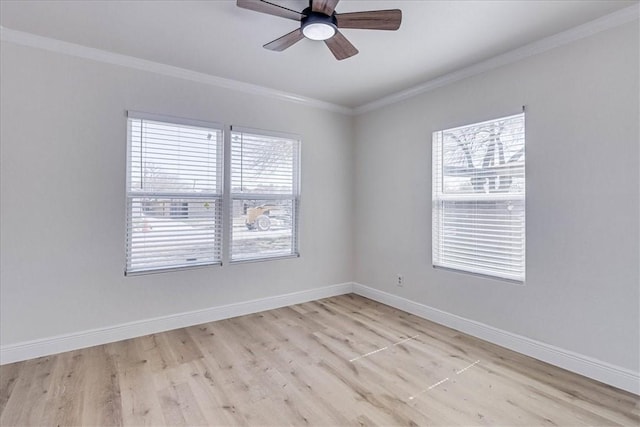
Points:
x=73 y=341
x=72 y=49
x=607 y=373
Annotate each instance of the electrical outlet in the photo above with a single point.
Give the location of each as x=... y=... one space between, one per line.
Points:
x=400 y=280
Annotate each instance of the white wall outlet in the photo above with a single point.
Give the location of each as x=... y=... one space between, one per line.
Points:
x=400 y=280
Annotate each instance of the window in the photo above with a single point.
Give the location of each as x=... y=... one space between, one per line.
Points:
x=178 y=207
x=479 y=198
x=174 y=193
x=264 y=195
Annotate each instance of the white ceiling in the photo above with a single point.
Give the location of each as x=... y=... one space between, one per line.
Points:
x=220 y=39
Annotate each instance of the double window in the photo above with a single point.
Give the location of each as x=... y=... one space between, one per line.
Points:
x=479 y=198
x=178 y=206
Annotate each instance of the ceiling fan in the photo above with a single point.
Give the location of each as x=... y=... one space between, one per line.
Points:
x=319 y=21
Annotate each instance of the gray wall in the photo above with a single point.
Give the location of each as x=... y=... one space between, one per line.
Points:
x=365 y=180
x=582 y=287
x=63 y=201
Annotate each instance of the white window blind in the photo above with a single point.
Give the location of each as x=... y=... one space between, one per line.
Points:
x=264 y=195
x=479 y=198
x=174 y=193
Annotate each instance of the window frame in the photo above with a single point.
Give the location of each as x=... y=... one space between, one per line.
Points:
x=130 y=195
x=440 y=197
x=230 y=196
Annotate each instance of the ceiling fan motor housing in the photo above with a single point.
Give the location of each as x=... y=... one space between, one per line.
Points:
x=318 y=26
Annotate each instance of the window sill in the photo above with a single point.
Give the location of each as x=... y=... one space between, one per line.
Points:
x=169 y=270
x=482 y=275
x=273 y=258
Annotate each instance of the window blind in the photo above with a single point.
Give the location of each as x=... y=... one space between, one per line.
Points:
x=174 y=193
x=478 y=198
x=264 y=194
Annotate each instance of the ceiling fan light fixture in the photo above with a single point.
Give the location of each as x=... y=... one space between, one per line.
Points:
x=318 y=26
x=318 y=31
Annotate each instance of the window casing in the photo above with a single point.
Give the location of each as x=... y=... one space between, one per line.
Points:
x=264 y=193
x=174 y=193
x=199 y=196
x=478 y=198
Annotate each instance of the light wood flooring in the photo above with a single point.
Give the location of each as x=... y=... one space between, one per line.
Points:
x=339 y=361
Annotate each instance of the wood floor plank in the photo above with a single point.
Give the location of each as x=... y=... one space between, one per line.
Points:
x=66 y=395
x=140 y=405
x=338 y=361
x=216 y=401
x=8 y=381
x=180 y=406
x=102 y=403
x=26 y=402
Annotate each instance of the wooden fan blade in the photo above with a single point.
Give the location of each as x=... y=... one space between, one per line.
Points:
x=341 y=47
x=324 y=6
x=371 y=20
x=269 y=8
x=285 y=41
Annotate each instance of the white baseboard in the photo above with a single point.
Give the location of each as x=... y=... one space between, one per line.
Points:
x=592 y=368
x=609 y=374
x=67 y=342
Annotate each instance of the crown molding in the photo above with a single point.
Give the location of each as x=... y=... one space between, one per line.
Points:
x=612 y=20
x=80 y=51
